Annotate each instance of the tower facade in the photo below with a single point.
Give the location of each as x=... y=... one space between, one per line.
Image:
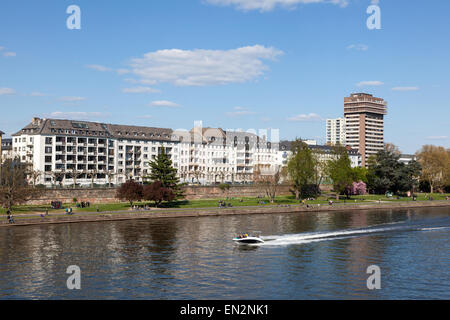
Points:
x=364 y=123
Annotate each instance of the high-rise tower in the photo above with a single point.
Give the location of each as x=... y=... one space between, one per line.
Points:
x=364 y=121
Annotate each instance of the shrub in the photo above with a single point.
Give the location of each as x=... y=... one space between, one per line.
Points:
x=130 y=191
x=158 y=193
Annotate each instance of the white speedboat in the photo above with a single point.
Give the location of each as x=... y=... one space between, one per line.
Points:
x=248 y=239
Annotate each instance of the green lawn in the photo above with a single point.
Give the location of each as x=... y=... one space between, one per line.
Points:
x=213 y=203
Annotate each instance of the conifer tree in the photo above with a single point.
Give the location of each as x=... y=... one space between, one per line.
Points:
x=162 y=170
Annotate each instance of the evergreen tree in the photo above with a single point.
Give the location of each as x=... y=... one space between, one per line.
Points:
x=387 y=173
x=162 y=170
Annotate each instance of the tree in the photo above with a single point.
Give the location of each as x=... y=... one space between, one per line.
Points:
x=14 y=188
x=224 y=187
x=163 y=171
x=75 y=174
x=302 y=169
x=110 y=174
x=92 y=174
x=58 y=176
x=435 y=162
x=358 y=188
x=158 y=193
x=387 y=173
x=130 y=191
x=359 y=174
x=340 y=171
x=34 y=175
x=268 y=181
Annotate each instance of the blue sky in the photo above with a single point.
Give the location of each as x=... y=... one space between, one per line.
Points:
x=230 y=63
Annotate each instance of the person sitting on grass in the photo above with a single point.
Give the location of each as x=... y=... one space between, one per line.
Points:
x=9 y=216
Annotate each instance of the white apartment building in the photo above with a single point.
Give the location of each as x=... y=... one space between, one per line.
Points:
x=68 y=152
x=336 y=131
x=323 y=153
x=5 y=149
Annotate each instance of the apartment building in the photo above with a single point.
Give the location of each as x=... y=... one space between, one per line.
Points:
x=322 y=153
x=5 y=148
x=79 y=152
x=364 y=123
x=68 y=152
x=335 y=131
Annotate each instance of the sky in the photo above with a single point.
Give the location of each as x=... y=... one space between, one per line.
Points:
x=234 y=64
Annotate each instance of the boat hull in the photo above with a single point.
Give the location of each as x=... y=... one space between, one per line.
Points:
x=248 y=240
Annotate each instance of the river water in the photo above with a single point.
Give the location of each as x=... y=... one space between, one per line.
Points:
x=305 y=256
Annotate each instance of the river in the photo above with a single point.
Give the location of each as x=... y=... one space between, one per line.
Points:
x=305 y=256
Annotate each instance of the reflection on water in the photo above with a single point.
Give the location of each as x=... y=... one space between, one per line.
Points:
x=305 y=256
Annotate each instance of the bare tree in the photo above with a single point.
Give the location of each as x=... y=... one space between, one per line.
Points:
x=435 y=162
x=56 y=176
x=75 y=174
x=34 y=175
x=110 y=174
x=268 y=180
x=14 y=188
x=92 y=173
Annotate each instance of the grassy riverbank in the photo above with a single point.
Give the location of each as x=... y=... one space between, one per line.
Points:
x=213 y=203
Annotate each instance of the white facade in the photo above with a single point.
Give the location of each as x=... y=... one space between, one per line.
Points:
x=64 y=152
x=336 y=131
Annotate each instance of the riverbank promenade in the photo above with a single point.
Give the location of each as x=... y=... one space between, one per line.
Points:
x=152 y=213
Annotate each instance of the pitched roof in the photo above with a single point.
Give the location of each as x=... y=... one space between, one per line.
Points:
x=90 y=129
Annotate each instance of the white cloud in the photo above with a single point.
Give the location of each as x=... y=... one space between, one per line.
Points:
x=405 y=88
x=9 y=54
x=164 y=103
x=145 y=116
x=239 y=111
x=369 y=83
x=358 y=47
x=98 y=67
x=4 y=91
x=437 y=138
x=77 y=115
x=141 y=90
x=269 y=5
x=1 y=48
x=37 y=94
x=306 y=117
x=72 y=99
x=203 y=67
x=123 y=71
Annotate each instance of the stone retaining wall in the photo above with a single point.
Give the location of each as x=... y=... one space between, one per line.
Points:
x=107 y=195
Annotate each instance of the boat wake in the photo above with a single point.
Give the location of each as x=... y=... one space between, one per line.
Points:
x=303 y=238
